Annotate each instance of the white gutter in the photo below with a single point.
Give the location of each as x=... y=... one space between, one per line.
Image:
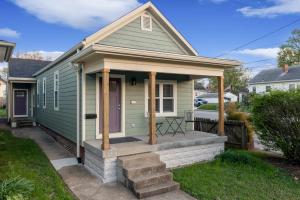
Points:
x=279 y=81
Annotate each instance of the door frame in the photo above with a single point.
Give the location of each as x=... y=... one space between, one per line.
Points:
x=14 y=103
x=117 y=134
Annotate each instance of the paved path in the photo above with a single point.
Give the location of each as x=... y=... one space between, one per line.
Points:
x=206 y=114
x=81 y=182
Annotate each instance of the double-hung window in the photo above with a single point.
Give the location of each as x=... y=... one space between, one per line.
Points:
x=44 y=92
x=56 y=90
x=38 y=93
x=165 y=98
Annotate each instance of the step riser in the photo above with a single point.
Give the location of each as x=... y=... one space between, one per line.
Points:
x=156 y=192
x=144 y=171
x=135 y=162
x=150 y=182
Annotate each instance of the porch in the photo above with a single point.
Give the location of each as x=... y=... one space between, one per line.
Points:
x=175 y=151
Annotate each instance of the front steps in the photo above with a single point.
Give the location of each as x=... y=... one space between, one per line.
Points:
x=22 y=122
x=145 y=175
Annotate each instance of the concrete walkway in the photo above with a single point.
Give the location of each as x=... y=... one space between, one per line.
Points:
x=81 y=182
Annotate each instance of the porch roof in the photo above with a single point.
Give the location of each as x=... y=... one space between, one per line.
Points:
x=152 y=61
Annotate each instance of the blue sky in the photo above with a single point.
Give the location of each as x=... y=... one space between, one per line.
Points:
x=213 y=27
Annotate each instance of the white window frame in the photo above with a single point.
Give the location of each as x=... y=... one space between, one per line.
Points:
x=56 y=89
x=38 y=93
x=44 y=102
x=161 y=83
x=142 y=22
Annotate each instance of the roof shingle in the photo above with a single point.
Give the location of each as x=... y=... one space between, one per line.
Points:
x=277 y=75
x=25 y=68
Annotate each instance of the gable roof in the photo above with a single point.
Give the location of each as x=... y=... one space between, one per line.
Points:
x=277 y=75
x=126 y=19
x=25 y=68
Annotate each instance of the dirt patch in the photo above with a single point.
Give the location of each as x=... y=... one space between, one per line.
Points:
x=280 y=162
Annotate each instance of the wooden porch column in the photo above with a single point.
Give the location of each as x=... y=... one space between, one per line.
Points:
x=151 y=110
x=105 y=109
x=221 y=105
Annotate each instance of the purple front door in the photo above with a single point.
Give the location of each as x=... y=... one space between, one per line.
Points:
x=20 y=103
x=114 y=105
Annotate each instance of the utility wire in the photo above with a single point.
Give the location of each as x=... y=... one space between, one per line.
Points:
x=261 y=37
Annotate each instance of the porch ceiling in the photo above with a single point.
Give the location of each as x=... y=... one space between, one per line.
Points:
x=98 y=57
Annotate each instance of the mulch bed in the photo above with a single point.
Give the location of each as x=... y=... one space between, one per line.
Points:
x=278 y=161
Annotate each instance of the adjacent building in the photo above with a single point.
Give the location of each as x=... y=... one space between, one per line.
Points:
x=285 y=78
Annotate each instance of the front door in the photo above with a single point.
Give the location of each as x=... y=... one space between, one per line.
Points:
x=114 y=105
x=20 y=103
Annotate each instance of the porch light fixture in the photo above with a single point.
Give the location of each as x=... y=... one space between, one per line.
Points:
x=133 y=81
x=6 y=50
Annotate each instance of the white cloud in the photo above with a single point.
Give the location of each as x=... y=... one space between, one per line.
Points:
x=45 y=55
x=280 y=7
x=260 y=52
x=7 y=32
x=80 y=14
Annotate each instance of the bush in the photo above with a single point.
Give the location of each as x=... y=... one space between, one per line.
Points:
x=239 y=157
x=276 y=117
x=15 y=189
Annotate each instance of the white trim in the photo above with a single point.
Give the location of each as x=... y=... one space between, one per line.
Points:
x=32 y=91
x=56 y=89
x=14 y=103
x=83 y=107
x=77 y=113
x=44 y=99
x=21 y=79
x=146 y=15
x=123 y=82
x=161 y=83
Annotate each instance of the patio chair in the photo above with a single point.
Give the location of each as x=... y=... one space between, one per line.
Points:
x=158 y=126
x=189 y=118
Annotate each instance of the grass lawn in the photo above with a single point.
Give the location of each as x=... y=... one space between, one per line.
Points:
x=2 y=113
x=24 y=158
x=237 y=175
x=209 y=106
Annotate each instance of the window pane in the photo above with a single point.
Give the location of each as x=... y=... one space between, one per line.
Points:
x=156 y=90
x=268 y=88
x=55 y=99
x=168 y=90
x=292 y=87
x=168 y=105
x=157 y=105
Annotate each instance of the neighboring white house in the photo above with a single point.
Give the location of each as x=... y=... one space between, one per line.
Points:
x=213 y=97
x=286 y=78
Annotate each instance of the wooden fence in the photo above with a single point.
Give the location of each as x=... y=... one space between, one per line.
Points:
x=235 y=131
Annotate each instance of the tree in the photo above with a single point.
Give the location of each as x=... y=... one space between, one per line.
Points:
x=235 y=80
x=30 y=55
x=290 y=51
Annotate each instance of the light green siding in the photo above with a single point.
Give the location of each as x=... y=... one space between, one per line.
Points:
x=132 y=36
x=135 y=121
x=62 y=121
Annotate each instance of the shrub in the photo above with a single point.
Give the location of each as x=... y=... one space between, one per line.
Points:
x=15 y=189
x=240 y=157
x=276 y=117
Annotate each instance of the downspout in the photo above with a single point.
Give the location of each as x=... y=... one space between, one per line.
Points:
x=77 y=68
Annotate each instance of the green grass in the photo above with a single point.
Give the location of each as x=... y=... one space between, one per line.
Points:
x=209 y=106
x=2 y=112
x=237 y=175
x=23 y=158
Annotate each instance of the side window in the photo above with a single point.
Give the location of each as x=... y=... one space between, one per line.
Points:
x=44 y=92
x=268 y=88
x=254 y=89
x=56 y=90
x=38 y=93
x=292 y=87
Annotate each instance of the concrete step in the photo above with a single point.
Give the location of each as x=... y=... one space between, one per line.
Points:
x=157 y=189
x=145 y=168
x=137 y=159
x=150 y=180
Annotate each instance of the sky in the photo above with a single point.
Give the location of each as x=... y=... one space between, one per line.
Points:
x=213 y=27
